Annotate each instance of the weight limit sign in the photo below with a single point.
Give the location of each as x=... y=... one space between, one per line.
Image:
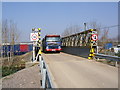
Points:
x=34 y=36
x=94 y=37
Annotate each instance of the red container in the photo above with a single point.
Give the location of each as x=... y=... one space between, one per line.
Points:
x=24 y=48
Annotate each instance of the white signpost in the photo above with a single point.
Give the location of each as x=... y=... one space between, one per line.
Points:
x=34 y=38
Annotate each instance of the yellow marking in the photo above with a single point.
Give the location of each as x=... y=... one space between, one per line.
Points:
x=90 y=54
x=93 y=54
x=91 y=29
x=91 y=44
x=39 y=28
x=39 y=36
x=89 y=57
x=39 y=52
x=92 y=50
x=39 y=40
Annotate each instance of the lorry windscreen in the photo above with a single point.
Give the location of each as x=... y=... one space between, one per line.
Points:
x=48 y=39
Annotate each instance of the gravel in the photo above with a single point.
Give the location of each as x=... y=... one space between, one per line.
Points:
x=27 y=78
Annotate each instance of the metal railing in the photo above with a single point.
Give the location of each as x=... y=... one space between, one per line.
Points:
x=108 y=57
x=46 y=81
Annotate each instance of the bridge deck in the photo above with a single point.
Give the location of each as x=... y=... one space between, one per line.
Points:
x=70 y=71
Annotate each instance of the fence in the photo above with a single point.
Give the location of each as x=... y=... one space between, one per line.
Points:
x=46 y=81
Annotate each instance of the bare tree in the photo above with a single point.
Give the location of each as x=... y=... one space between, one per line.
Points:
x=5 y=36
x=0 y=33
x=9 y=36
x=104 y=39
x=14 y=36
x=71 y=30
x=95 y=25
x=5 y=32
x=102 y=32
x=76 y=28
x=9 y=33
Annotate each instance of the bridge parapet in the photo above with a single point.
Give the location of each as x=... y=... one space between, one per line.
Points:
x=80 y=39
x=85 y=41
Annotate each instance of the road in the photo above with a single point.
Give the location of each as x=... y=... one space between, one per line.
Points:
x=68 y=71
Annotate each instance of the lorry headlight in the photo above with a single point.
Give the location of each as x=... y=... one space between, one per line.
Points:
x=59 y=47
x=47 y=47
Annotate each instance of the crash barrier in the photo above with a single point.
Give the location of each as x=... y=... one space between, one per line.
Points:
x=46 y=81
x=108 y=57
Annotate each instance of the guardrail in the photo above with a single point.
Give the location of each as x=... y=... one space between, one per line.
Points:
x=46 y=81
x=108 y=57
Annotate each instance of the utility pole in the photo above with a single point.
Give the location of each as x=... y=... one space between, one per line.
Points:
x=85 y=26
x=1 y=47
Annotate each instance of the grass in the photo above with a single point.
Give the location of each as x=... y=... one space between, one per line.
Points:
x=7 y=70
x=13 y=65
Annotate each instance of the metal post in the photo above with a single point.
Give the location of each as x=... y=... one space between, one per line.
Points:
x=44 y=79
x=85 y=26
x=40 y=57
x=116 y=64
x=33 y=51
x=97 y=52
x=41 y=66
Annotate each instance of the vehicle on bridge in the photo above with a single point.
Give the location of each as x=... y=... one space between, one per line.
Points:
x=51 y=43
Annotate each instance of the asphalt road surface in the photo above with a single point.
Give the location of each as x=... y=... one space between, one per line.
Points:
x=68 y=71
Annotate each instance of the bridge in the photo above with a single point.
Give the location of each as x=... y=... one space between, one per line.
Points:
x=78 y=65
x=75 y=66
x=69 y=71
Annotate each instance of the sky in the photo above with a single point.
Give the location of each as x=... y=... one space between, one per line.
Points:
x=54 y=17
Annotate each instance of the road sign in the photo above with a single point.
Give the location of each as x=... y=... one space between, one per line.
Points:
x=34 y=37
x=94 y=37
